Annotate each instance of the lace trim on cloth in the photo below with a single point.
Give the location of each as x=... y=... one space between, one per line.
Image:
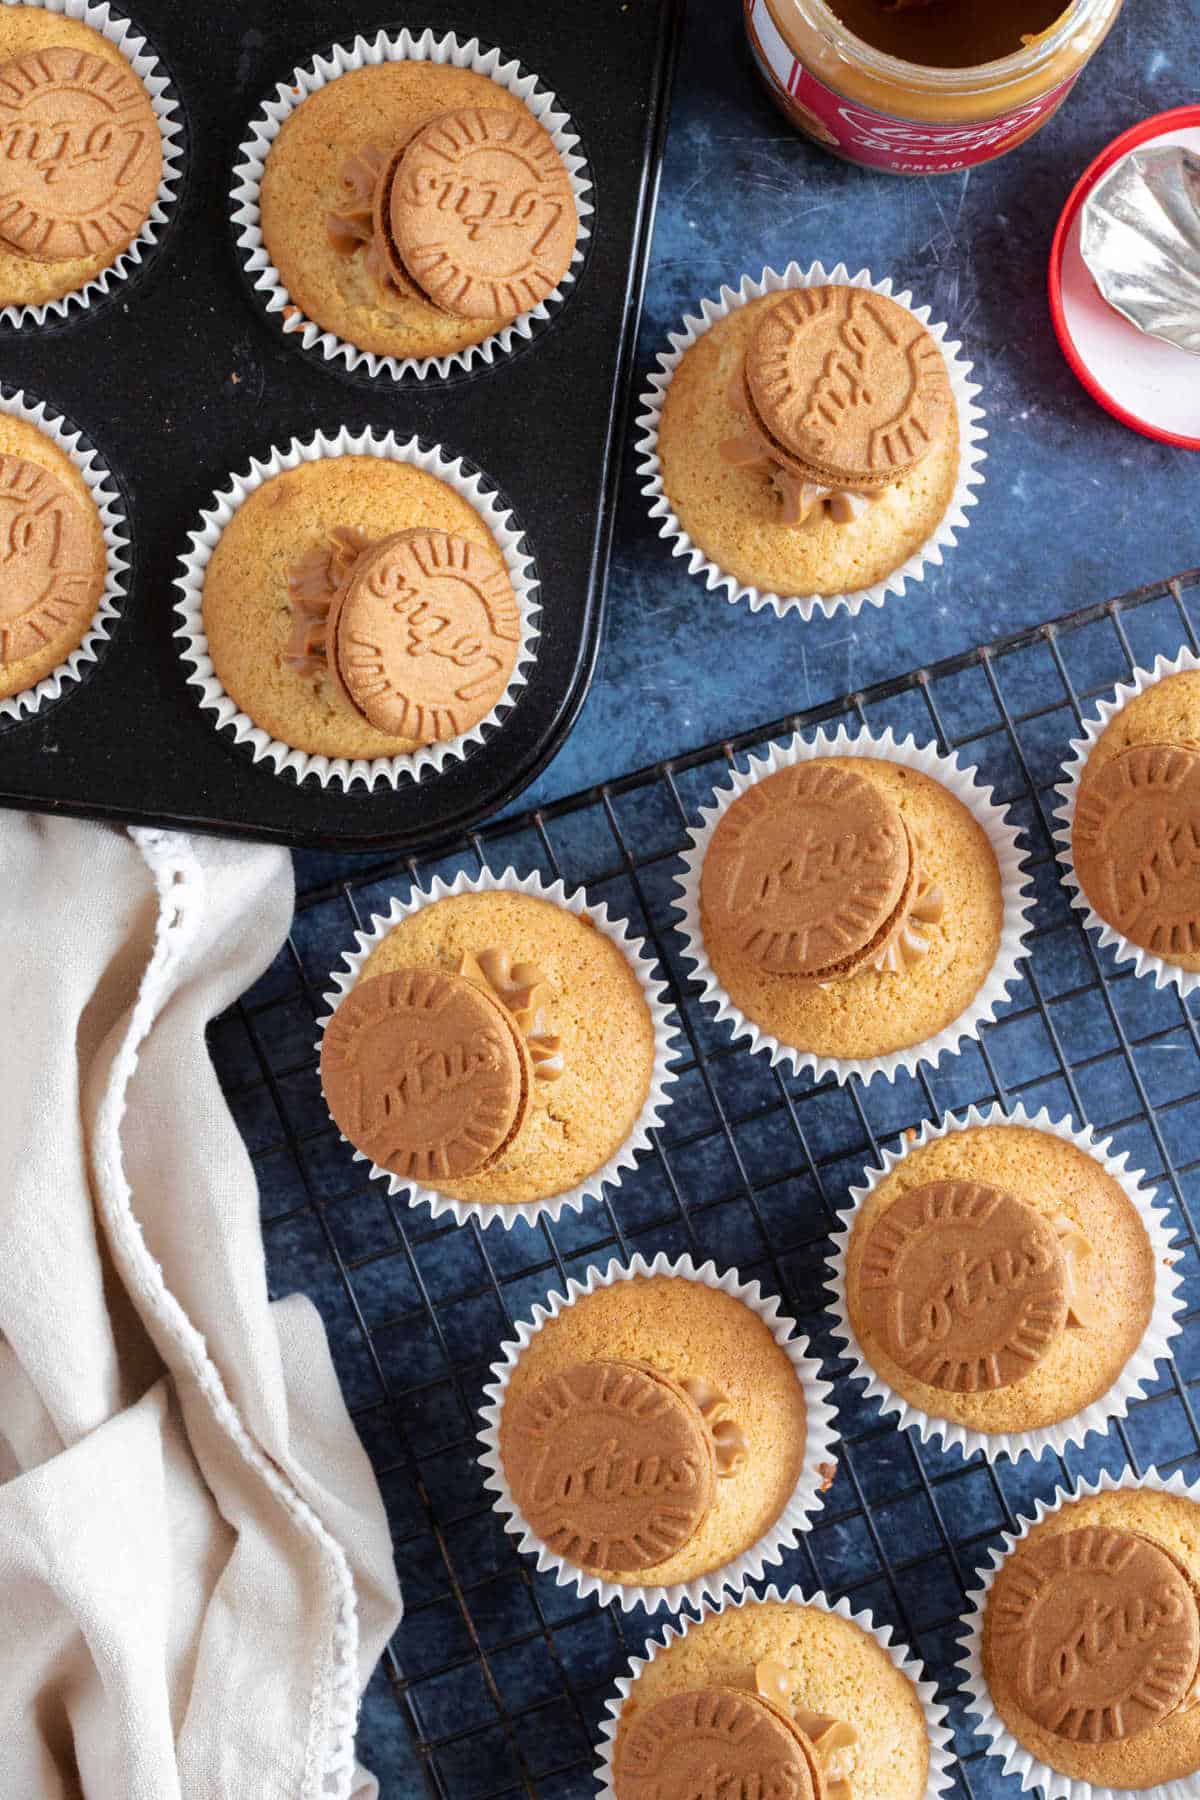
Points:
x=329 y=1751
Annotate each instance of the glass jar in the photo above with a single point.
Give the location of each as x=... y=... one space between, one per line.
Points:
x=878 y=110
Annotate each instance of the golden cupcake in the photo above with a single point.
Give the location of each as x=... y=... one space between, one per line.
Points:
x=82 y=155
x=414 y=208
x=53 y=570
x=772 y=1697
x=495 y=1047
x=809 y=442
x=850 y=906
x=1000 y=1279
x=360 y=607
x=1090 y=1644
x=654 y=1430
x=1135 y=836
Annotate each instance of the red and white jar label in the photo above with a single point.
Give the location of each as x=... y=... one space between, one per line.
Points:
x=882 y=140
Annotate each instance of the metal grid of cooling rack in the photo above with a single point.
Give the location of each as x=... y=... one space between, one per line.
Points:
x=496 y=1679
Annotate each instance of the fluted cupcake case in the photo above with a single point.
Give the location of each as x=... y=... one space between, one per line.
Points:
x=1145 y=962
x=141 y=58
x=820 y=1449
x=1000 y=1741
x=1137 y=1374
x=116 y=544
x=341 y=771
x=971 y=439
x=941 y=1755
x=653 y=992
x=962 y=783
x=384 y=47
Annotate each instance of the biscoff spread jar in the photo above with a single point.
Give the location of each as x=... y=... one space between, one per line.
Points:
x=921 y=87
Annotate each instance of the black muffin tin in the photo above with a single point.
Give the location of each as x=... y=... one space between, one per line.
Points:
x=178 y=377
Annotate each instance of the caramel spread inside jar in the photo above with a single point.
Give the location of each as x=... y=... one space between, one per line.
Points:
x=922 y=87
x=948 y=34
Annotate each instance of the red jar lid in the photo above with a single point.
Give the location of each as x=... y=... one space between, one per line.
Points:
x=1149 y=385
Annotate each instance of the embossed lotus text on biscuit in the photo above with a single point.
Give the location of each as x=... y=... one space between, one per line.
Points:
x=422 y=1074
x=814 y=860
x=46 y=559
x=485 y=204
x=972 y=1284
x=611 y=1465
x=67 y=145
x=849 y=382
x=428 y=634
x=80 y=154
x=806 y=869
x=965 y=1285
x=1136 y=841
x=435 y=629
x=1103 y=1632
x=609 y=1473
x=1171 y=855
x=713 y=1744
x=482 y=213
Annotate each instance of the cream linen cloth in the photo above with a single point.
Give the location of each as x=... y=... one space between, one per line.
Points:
x=196 y=1576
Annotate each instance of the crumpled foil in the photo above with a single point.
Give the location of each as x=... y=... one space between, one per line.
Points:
x=1140 y=239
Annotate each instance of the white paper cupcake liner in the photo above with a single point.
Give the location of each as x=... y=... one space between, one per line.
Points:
x=1144 y=962
x=1010 y=861
x=116 y=543
x=978 y=1701
x=653 y=992
x=807 y=1497
x=1135 y=1377
x=146 y=67
x=941 y=1755
x=971 y=453
x=341 y=771
x=405 y=46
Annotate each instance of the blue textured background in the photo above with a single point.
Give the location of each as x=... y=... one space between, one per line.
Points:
x=1076 y=507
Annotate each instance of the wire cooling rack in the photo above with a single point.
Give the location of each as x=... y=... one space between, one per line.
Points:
x=495 y=1682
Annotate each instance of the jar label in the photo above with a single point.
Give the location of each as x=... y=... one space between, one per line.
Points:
x=882 y=140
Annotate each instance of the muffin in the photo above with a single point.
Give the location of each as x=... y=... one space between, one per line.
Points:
x=1132 y=847
x=660 y=1435
x=363 y=607
x=1002 y=1279
x=496 y=1047
x=53 y=574
x=811 y=443
x=1088 y=1649
x=416 y=208
x=850 y=908
x=778 y=1696
x=76 y=186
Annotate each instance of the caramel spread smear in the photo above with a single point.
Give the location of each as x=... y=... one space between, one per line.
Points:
x=727 y=1435
x=523 y=989
x=801 y=502
x=313 y=580
x=834 y=1741
x=355 y=225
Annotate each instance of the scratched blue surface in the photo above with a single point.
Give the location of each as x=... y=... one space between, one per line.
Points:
x=1076 y=507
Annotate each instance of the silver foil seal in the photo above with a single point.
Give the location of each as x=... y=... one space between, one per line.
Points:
x=1140 y=238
